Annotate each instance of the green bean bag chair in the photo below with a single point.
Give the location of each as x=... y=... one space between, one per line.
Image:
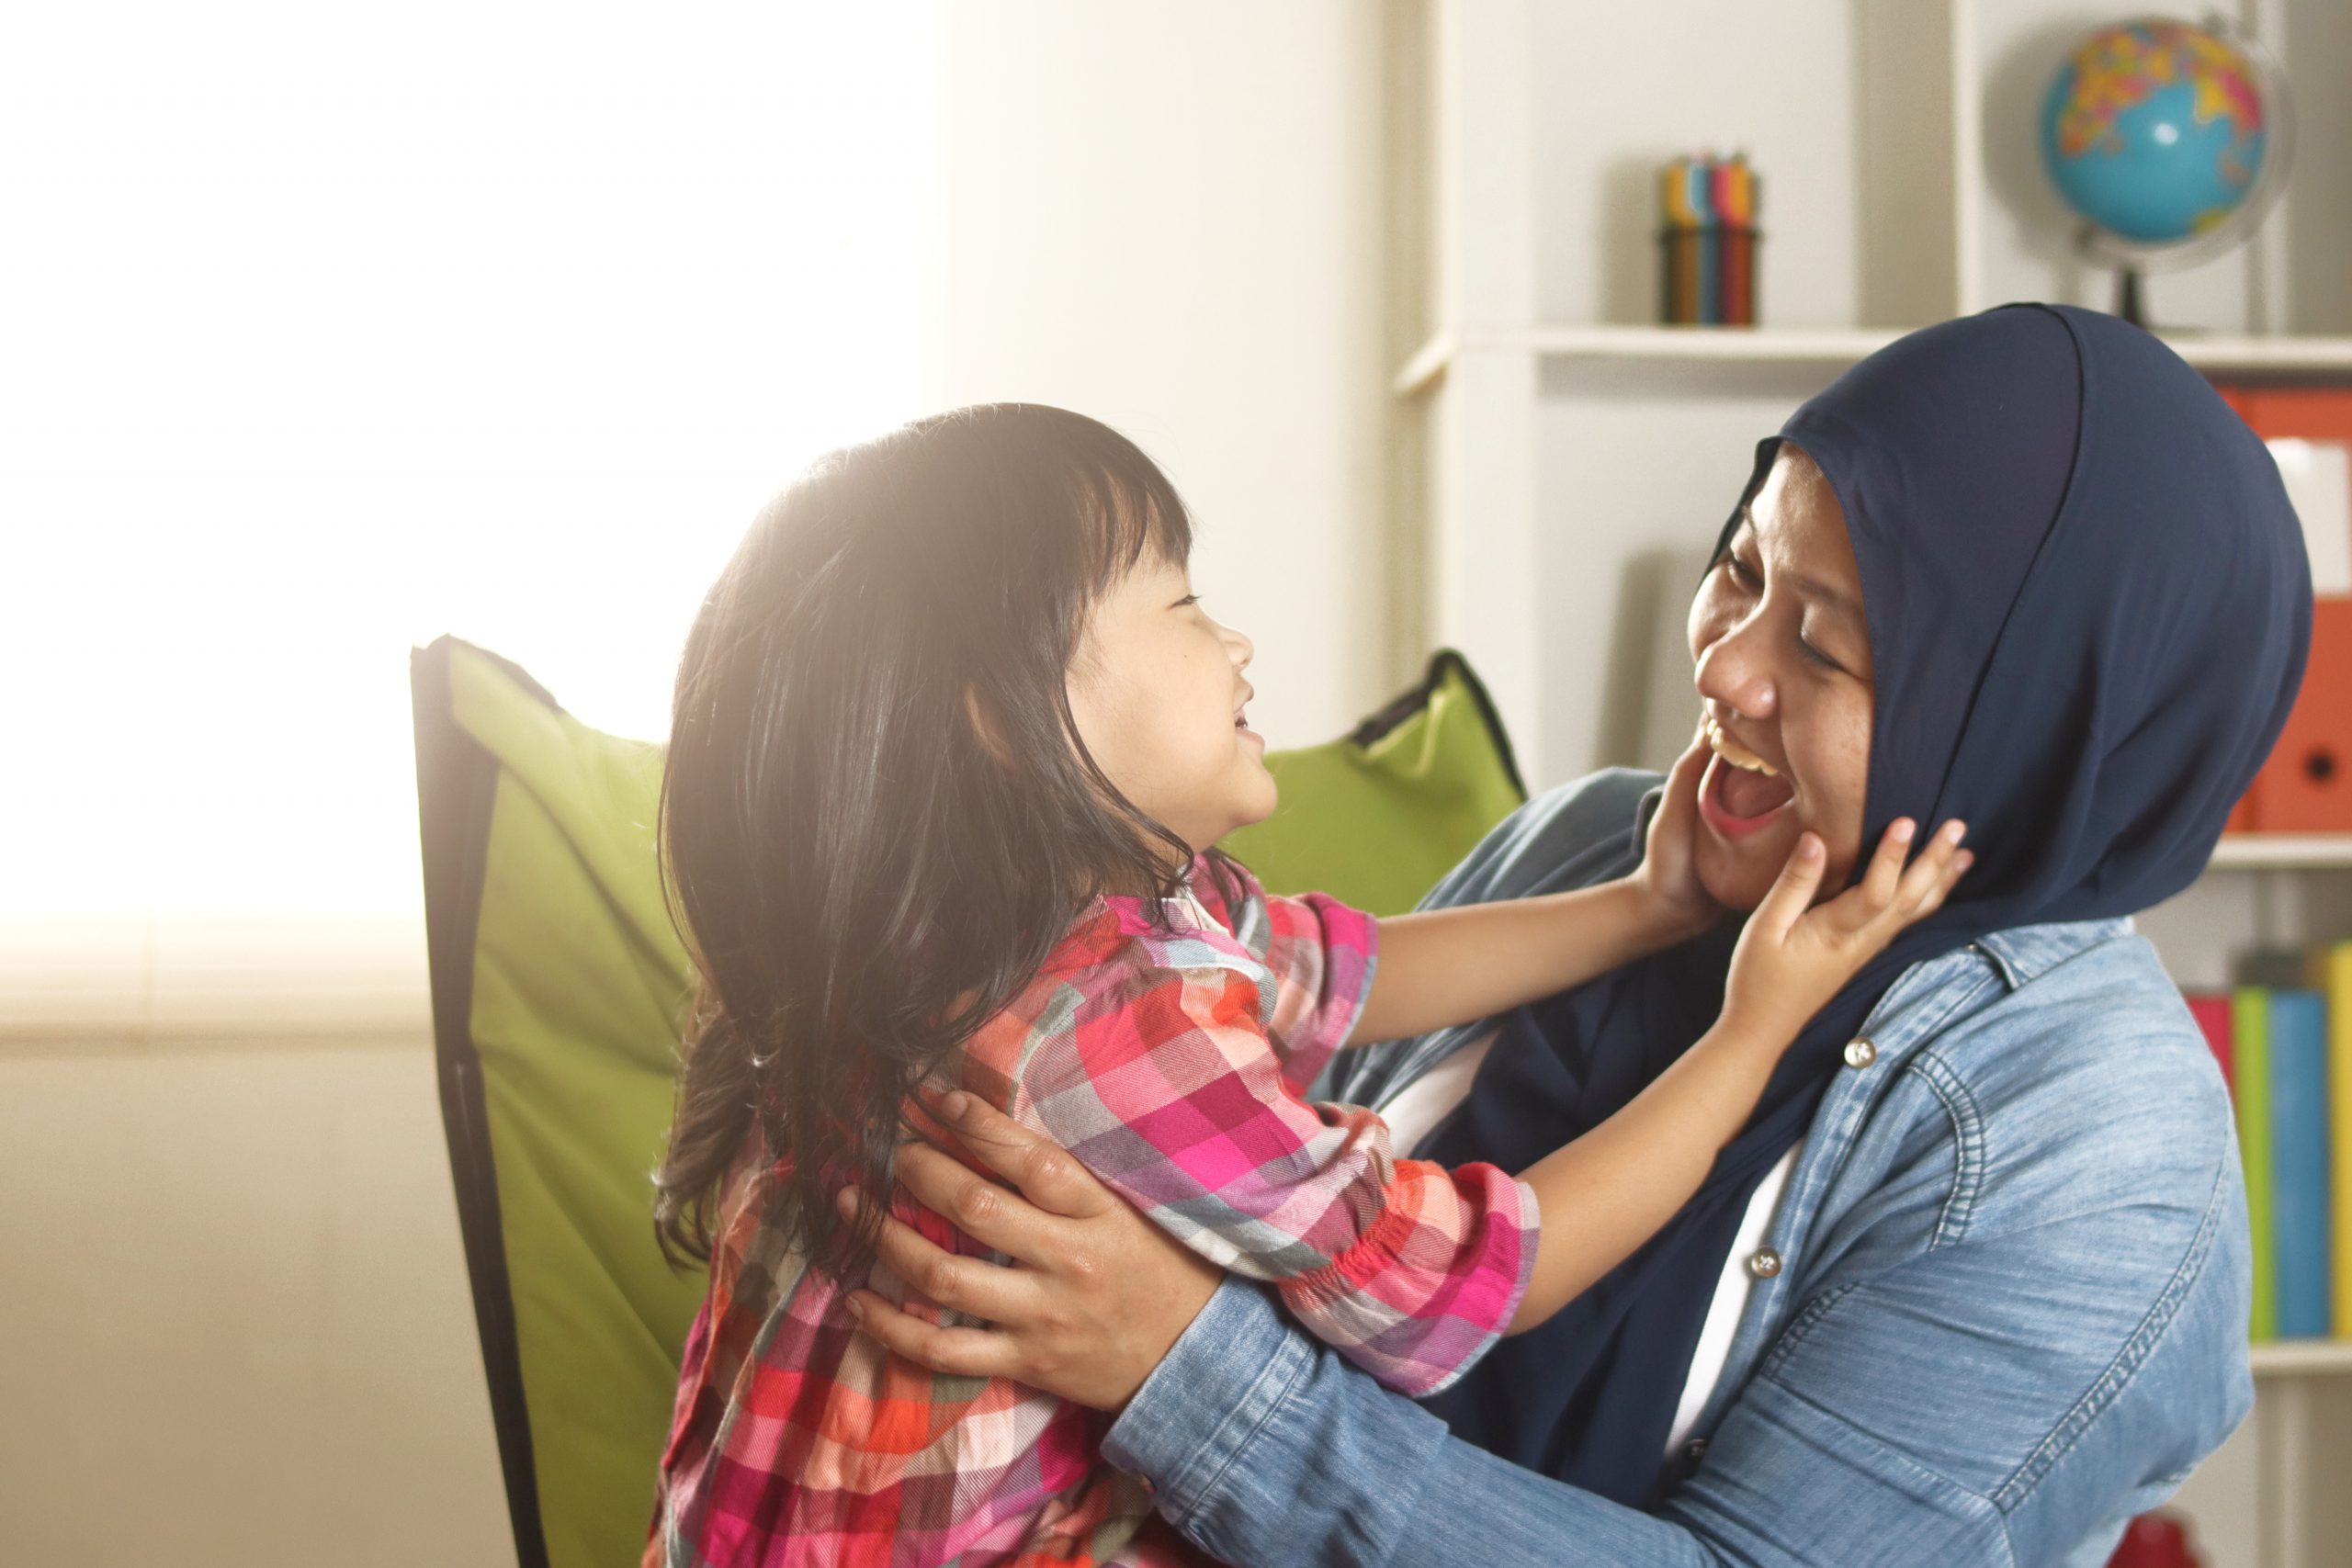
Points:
x=559 y=991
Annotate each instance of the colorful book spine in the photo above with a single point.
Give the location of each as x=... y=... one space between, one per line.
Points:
x=2299 y=1179
x=2250 y=1043
x=2335 y=977
x=2212 y=1010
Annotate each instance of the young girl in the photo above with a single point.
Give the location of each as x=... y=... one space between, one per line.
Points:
x=953 y=739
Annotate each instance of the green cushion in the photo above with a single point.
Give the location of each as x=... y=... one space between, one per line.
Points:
x=1375 y=818
x=559 y=991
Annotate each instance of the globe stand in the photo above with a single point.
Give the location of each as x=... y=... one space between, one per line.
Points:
x=2127 y=296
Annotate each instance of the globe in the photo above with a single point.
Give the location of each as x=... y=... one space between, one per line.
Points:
x=2166 y=138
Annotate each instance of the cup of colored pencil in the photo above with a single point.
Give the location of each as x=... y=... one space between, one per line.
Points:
x=1707 y=239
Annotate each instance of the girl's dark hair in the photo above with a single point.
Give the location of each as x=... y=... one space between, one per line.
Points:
x=876 y=818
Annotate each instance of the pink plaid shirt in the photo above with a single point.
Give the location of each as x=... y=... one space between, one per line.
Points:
x=1173 y=1068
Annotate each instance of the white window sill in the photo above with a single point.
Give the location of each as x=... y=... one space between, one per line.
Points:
x=221 y=982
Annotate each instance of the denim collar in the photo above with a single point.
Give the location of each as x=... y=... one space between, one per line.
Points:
x=2020 y=953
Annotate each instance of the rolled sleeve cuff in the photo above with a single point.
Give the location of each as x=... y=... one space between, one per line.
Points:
x=1264 y=1446
x=1216 y=1386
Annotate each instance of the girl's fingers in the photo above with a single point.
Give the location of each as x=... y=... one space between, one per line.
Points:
x=959 y=1351
x=1952 y=874
x=1883 y=877
x=1792 y=891
x=1930 y=874
x=1921 y=889
x=1682 y=781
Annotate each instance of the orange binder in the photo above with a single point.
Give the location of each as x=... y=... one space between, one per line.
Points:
x=2241 y=816
x=2306 y=784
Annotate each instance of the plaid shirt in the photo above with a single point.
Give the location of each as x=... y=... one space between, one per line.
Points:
x=1173 y=1069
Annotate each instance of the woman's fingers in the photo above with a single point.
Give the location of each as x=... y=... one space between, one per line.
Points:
x=960 y=1352
x=1095 y=1300
x=1044 y=1171
x=964 y=1284
x=976 y=1205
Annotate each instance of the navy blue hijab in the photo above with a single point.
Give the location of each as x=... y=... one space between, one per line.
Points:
x=2089 y=610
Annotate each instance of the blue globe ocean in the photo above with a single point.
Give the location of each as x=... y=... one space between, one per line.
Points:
x=2155 y=130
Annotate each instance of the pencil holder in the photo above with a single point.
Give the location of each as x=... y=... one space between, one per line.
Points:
x=1707 y=274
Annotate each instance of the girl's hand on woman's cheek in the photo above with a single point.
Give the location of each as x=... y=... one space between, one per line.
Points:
x=1095 y=1298
x=1793 y=957
x=1669 y=875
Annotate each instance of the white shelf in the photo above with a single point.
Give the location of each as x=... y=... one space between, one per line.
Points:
x=1812 y=345
x=2301 y=1357
x=2297 y=851
x=1553 y=471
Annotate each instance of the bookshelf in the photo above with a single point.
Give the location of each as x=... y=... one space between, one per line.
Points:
x=2283 y=851
x=2301 y=1357
x=2217 y=352
x=1557 y=455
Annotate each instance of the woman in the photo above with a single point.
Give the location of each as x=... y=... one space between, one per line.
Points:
x=1973 y=1286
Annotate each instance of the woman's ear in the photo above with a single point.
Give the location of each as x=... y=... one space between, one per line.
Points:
x=985 y=728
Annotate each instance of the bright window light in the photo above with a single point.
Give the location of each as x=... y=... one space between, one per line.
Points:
x=326 y=331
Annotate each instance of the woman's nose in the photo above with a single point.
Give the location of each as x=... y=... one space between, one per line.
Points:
x=1731 y=672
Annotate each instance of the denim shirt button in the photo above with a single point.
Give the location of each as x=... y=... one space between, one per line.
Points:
x=1764 y=1263
x=1860 y=1053
x=1695 y=1450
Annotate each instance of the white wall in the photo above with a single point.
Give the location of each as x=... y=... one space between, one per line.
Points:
x=237 y=1320
x=234 y=1327
x=1170 y=218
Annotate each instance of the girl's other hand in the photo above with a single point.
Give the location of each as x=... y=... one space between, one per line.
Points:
x=1793 y=958
x=1669 y=875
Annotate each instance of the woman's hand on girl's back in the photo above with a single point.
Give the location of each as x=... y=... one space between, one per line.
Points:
x=1669 y=875
x=1094 y=1296
x=1793 y=958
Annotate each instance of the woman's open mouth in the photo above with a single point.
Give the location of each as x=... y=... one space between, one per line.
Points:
x=1736 y=801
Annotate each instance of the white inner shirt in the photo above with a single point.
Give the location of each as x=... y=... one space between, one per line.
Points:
x=1430 y=1098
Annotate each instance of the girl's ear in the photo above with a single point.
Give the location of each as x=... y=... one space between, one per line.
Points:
x=985 y=728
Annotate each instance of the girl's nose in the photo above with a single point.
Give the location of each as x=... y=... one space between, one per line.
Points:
x=1244 y=649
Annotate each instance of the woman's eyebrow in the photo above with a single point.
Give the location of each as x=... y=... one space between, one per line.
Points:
x=1813 y=588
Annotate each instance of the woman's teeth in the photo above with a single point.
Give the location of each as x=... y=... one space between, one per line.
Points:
x=1732 y=751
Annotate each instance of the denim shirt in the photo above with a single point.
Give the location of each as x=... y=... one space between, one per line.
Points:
x=2009 y=1310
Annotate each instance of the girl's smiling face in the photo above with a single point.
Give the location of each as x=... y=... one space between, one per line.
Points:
x=1784 y=676
x=1158 y=692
